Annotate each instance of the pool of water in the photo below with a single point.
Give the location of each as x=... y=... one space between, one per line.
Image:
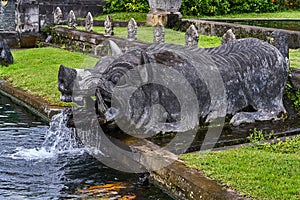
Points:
x=34 y=165
x=287 y=25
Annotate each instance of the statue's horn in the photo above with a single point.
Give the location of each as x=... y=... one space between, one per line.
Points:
x=115 y=49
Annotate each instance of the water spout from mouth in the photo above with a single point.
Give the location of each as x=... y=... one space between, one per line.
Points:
x=59 y=139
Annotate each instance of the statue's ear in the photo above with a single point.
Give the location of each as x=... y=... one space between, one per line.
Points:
x=61 y=71
x=65 y=72
x=144 y=58
x=115 y=49
x=145 y=68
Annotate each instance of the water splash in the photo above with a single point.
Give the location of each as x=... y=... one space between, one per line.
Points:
x=59 y=139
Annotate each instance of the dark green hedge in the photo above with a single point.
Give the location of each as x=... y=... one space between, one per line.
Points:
x=220 y=7
x=113 y=6
x=207 y=7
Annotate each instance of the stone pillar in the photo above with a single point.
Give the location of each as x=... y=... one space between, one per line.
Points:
x=159 y=33
x=164 y=11
x=71 y=20
x=6 y=57
x=132 y=29
x=89 y=22
x=7 y=15
x=191 y=37
x=108 y=25
x=58 y=16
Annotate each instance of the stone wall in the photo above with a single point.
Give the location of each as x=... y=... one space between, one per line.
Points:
x=80 y=8
x=7 y=16
x=240 y=31
x=32 y=15
x=91 y=43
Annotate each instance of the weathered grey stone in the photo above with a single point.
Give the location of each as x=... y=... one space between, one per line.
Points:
x=49 y=39
x=281 y=42
x=228 y=37
x=71 y=19
x=191 y=37
x=7 y=15
x=6 y=57
x=89 y=22
x=165 y=5
x=159 y=33
x=132 y=29
x=58 y=15
x=224 y=80
x=108 y=25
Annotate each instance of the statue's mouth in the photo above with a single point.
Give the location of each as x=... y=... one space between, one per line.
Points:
x=105 y=112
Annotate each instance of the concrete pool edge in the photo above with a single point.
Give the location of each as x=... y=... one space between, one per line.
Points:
x=34 y=104
x=176 y=179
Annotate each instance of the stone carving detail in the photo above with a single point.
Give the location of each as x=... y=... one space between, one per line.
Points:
x=244 y=68
x=6 y=57
x=228 y=37
x=89 y=22
x=132 y=29
x=191 y=37
x=169 y=5
x=58 y=16
x=280 y=41
x=108 y=25
x=159 y=33
x=71 y=19
x=18 y=16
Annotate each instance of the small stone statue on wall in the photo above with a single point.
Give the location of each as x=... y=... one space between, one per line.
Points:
x=58 y=15
x=89 y=22
x=108 y=25
x=159 y=33
x=228 y=37
x=132 y=30
x=71 y=20
x=191 y=37
x=6 y=57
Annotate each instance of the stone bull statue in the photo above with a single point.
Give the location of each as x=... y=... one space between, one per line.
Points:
x=245 y=79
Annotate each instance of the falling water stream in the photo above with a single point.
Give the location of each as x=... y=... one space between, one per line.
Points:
x=38 y=161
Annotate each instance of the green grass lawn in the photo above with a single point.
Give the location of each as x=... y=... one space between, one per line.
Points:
x=295 y=58
x=36 y=70
x=260 y=172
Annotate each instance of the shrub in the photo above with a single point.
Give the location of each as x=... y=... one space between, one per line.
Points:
x=221 y=7
x=207 y=7
x=113 y=6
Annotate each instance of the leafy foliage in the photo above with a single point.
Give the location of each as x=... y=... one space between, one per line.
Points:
x=258 y=136
x=220 y=7
x=294 y=95
x=207 y=7
x=113 y=6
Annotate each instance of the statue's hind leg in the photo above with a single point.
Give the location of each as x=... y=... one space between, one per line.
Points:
x=260 y=115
